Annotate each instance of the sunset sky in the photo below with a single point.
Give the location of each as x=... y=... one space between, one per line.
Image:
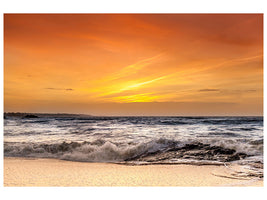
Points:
x=134 y=64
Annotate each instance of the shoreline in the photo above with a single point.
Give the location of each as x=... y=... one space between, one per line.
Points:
x=42 y=172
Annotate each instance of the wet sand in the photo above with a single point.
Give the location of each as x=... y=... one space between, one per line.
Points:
x=53 y=172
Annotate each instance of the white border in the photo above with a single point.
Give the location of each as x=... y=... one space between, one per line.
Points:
x=124 y=6
x=132 y=6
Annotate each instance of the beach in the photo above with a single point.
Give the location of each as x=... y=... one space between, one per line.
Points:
x=52 y=150
x=54 y=172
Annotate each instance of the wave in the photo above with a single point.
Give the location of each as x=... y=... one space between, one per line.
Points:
x=232 y=134
x=257 y=142
x=233 y=121
x=160 y=150
x=243 y=129
x=169 y=122
x=150 y=121
x=98 y=150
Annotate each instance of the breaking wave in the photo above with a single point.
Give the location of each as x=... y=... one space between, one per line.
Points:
x=137 y=140
x=153 y=151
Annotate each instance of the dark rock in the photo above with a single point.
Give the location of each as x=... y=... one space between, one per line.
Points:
x=232 y=158
x=187 y=157
x=257 y=165
x=242 y=155
x=192 y=146
x=220 y=150
x=197 y=151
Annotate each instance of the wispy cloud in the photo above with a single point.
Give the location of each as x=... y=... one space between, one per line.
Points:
x=146 y=97
x=131 y=86
x=142 y=83
x=133 y=68
x=209 y=90
x=66 y=89
x=239 y=91
x=123 y=80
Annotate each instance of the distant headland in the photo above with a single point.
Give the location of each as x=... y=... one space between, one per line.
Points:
x=37 y=115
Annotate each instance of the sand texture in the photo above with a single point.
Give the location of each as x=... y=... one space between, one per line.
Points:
x=52 y=172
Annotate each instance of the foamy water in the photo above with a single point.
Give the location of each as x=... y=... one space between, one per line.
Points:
x=137 y=140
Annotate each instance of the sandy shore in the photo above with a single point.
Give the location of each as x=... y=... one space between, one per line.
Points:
x=52 y=172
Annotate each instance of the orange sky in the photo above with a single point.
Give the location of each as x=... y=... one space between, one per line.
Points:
x=134 y=64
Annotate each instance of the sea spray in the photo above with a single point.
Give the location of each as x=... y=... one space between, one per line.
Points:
x=137 y=140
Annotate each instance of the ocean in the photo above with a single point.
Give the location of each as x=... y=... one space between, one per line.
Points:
x=138 y=140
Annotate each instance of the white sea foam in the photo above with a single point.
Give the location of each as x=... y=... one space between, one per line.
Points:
x=135 y=140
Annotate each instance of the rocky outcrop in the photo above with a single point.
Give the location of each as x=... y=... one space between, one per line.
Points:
x=196 y=151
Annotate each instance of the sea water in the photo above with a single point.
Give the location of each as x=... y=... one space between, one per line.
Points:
x=137 y=140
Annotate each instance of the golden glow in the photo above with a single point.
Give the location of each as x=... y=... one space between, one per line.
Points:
x=156 y=63
x=147 y=97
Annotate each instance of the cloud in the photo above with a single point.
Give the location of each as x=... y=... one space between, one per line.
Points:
x=66 y=89
x=250 y=90
x=209 y=90
x=130 y=87
x=133 y=68
x=239 y=91
x=227 y=91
